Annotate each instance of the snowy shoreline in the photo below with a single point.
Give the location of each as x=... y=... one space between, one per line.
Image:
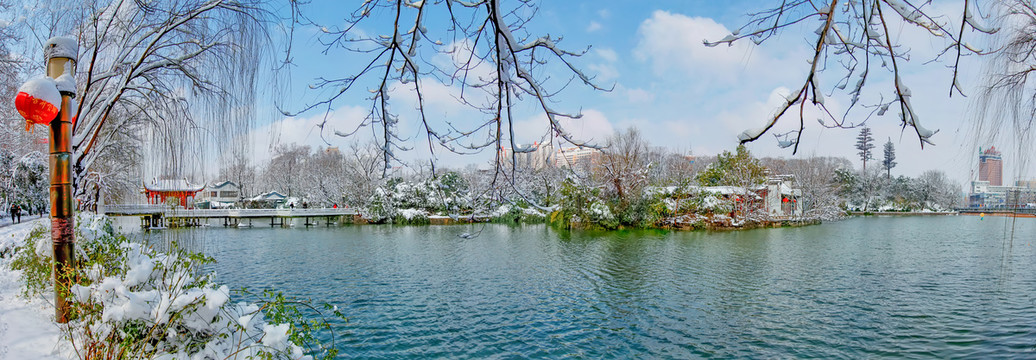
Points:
x=135 y=301
x=27 y=327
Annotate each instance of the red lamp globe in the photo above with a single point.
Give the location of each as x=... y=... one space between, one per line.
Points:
x=38 y=101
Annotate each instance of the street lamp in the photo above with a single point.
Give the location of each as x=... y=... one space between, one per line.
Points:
x=48 y=101
x=61 y=54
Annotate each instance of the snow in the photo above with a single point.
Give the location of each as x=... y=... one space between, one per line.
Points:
x=410 y=214
x=61 y=46
x=275 y=336
x=42 y=88
x=155 y=289
x=501 y=210
x=27 y=329
x=66 y=83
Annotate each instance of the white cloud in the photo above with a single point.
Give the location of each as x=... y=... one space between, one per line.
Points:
x=636 y=95
x=594 y=26
x=593 y=127
x=607 y=54
x=306 y=130
x=673 y=42
x=604 y=73
x=456 y=59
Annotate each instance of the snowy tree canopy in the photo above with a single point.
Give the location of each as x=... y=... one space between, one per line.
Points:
x=178 y=74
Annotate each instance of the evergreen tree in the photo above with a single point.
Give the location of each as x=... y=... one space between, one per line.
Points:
x=864 y=143
x=737 y=169
x=890 y=156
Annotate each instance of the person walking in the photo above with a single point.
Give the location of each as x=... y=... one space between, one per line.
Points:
x=18 y=213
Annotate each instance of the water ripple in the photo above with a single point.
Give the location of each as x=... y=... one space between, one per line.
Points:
x=939 y=287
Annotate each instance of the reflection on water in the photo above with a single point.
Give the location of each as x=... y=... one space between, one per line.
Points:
x=871 y=287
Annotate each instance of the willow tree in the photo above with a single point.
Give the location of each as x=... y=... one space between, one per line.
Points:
x=159 y=80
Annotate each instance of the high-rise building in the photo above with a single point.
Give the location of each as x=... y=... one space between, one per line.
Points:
x=990 y=167
x=535 y=156
x=579 y=156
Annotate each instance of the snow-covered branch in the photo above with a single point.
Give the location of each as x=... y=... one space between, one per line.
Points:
x=856 y=35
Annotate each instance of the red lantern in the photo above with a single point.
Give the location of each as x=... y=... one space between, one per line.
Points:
x=38 y=101
x=784 y=199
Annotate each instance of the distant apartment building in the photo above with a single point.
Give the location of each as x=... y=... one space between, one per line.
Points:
x=989 y=192
x=985 y=195
x=529 y=156
x=578 y=156
x=990 y=167
x=538 y=156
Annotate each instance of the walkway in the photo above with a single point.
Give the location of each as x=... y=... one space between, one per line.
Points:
x=6 y=220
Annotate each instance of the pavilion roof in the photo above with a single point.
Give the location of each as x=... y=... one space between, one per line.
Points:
x=171 y=185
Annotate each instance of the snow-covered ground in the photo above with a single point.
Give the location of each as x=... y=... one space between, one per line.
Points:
x=194 y=318
x=27 y=327
x=5 y=220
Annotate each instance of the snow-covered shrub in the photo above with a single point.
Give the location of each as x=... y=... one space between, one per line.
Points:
x=716 y=204
x=380 y=208
x=411 y=217
x=518 y=213
x=33 y=258
x=446 y=194
x=599 y=213
x=131 y=301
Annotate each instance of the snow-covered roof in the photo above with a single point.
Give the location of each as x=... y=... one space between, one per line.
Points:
x=165 y=185
x=221 y=185
x=726 y=190
x=787 y=190
x=273 y=195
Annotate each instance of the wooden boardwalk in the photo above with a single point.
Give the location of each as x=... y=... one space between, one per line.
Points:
x=152 y=216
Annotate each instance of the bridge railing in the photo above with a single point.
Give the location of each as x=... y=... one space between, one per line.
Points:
x=165 y=210
x=135 y=208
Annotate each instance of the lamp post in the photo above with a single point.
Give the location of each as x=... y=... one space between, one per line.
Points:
x=61 y=54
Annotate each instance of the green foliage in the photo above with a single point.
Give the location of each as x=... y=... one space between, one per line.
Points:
x=280 y=309
x=521 y=212
x=105 y=256
x=576 y=198
x=738 y=168
x=35 y=268
x=380 y=209
x=415 y=219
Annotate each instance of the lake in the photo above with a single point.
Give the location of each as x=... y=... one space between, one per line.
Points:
x=918 y=287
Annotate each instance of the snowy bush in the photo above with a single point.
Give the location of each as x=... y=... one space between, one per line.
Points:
x=599 y=212
x=380 y=208
x=518 y=213
x=32 y=256
x=446 y=194
x=132 y=301
x=411 y=217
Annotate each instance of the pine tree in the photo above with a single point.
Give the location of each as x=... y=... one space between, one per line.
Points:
x=890 y=156
x=864 y=143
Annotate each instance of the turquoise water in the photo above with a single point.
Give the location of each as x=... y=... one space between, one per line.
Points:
x=916 y=287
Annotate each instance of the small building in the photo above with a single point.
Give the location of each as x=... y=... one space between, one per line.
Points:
x=269 y=200
x=226 y=192
x=781 y=200
x=160 y=190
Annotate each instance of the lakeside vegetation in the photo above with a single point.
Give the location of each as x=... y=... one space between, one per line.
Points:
x=629 y=184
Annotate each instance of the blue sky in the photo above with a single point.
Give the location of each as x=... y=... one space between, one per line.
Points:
x=680 y=94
